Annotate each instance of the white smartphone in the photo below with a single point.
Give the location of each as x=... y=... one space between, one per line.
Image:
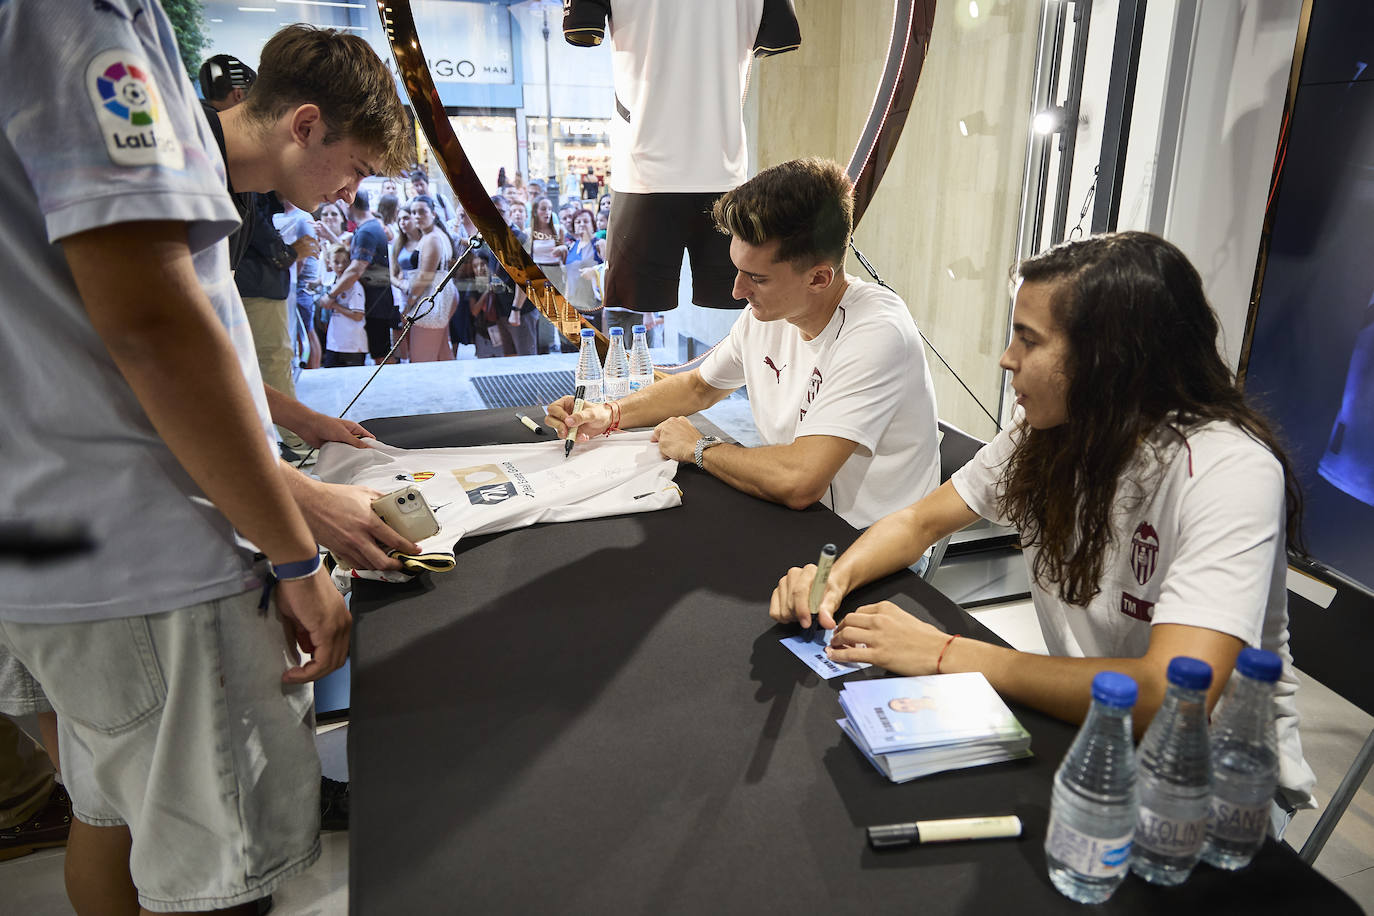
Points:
x=407 y=513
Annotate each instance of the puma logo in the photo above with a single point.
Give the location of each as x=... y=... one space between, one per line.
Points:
x=768 y=361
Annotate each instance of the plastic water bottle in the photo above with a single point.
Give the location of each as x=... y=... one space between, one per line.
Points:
x=1175 y=779
x=588 y=376
x=641 y=365
x=617 y=375
x=1093 y=807
x=1245 y=762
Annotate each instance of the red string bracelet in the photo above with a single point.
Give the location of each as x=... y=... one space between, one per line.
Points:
x=615 y=417
x=942 y=651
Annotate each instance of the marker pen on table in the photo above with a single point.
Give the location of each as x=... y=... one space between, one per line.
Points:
x=531 y=425
x=578 y=404
x=944 y=831
x=827 y=560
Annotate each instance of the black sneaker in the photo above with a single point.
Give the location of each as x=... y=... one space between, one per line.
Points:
x=46 y=829
x=333 y=804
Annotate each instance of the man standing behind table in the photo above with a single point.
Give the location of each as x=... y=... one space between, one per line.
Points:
x=837 y=376
x=138 y=408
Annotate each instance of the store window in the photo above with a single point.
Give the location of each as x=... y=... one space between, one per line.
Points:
x=581 y=160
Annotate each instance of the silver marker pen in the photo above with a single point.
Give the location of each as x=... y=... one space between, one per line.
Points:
x=827 y=560
x=944 y=831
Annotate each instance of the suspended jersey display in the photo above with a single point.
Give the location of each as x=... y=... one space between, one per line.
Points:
x=1349 y=460
x=485 y=489
x=677 y=138
x=681 y=71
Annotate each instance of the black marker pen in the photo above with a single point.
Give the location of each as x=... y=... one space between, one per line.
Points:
x=578 y=404
x=945 y=831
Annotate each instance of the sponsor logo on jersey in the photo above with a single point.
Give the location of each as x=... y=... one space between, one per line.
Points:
x=1138 y=608
x=1144 y=552
x=129 y=110
x=485 y=484
x=813 y=390
x=777 y=370
x=423 y=475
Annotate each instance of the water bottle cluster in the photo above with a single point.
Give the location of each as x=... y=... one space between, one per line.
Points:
x=1185 y=796
x=622 y=373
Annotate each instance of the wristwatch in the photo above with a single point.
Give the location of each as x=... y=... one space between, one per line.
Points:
x=703 y=444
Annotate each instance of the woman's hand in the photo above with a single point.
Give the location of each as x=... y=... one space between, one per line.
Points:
x=791 y=600
x=885 y=635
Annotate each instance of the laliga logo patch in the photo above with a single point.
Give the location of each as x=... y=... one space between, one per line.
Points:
x=1144 y=552
x=129 y=111
x=485 y=484
x=124 y=88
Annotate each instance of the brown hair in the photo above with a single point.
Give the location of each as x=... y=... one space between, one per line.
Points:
x=342 y=75
x=807 y=205
x=1142 y=361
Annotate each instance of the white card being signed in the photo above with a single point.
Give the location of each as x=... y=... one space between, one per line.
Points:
x=813 y=654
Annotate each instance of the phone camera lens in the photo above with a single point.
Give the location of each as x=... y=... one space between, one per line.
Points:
x=401 y=501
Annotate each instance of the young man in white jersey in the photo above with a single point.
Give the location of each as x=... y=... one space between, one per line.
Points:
x=837 y=377
x=1154 y=504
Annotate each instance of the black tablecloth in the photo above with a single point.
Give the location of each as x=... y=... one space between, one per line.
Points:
x=598 y=717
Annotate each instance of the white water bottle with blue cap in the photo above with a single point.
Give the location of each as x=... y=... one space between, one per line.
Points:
x=588 y=375
x=616 y=375
x=641 y=364
x=1245 y=762
x=1174 y=778
x=1093 y=805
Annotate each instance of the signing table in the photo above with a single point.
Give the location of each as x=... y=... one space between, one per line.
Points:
x=597 y=717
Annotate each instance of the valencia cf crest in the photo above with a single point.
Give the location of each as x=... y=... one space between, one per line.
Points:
x=1144 y=552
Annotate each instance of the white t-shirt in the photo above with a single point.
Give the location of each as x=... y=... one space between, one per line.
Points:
x=680 y=73
x=101 y=127
x=863 y=378
x=1200 y=542
x=348 y=335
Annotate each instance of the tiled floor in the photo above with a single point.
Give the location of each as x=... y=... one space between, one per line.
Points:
x=1332 y=728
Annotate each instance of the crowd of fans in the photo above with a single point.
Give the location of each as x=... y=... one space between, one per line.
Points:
x=481 y=307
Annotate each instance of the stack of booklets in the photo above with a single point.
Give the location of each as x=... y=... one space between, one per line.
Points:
x=914 y=726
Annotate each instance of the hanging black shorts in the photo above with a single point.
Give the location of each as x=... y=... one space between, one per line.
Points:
x=645 y=241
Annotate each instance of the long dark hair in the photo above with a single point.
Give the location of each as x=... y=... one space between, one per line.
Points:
x=438 y=223
x=1142 y=357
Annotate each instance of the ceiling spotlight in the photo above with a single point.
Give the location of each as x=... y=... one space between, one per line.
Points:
x=973 y=9
x=963 y=127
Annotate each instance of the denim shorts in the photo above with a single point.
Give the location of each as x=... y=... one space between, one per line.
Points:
x=177 y=725
x=20 y=694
